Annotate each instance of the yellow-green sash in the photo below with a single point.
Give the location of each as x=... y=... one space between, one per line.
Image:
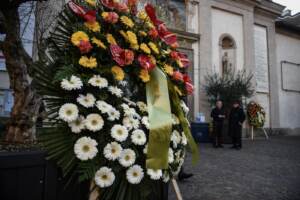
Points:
x=160 y=120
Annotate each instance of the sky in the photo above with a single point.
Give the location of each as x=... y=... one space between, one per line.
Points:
x=293 y=5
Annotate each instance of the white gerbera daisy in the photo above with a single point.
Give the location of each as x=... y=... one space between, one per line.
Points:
x=68 y=112
x=154 y=174
x=103 y=106
x=73 y=84
x=135 y=174
x=113 y=114
x=127 y=157
x=135 y=123
x=87 y=100
x=94 y=122
x=138 y=137
x=104 y=177
x=175 y=138
x=98 y=81
x=115 y=91
x=119 y=132
x=170 y=155
x=112 y=151
x=77 y=125
x=125 y=106
x=145 y=121
x=142 y=106
x=85 y=148
x=184 y=107
x=127 y=123
x=183 y=139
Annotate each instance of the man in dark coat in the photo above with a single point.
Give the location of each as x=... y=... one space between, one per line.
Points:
x=236 y=119
x=218 y=115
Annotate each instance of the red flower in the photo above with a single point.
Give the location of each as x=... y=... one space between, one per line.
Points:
x=85 y=46
x=89 y=16
x=112 y=17
x=183 y=59
x=189 y=88
x=121 y=7
x=174 y=55
x=146 y=62
x=153 y=33
x=177 y=75
x=132 y=4
x=150 y=10
x=186 y=78
x=167 y=36
x=108 y=3
x=121 y=56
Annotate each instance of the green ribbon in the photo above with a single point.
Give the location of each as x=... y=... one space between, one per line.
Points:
x=160 y=120
x=184 y=122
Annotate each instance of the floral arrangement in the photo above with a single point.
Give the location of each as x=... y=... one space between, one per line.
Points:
x=256 y=114
x=113 y=84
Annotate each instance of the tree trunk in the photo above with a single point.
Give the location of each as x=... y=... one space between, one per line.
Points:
x=21 y=126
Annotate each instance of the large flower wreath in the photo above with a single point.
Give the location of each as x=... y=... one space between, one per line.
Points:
x=113 y=85
x=256 y=114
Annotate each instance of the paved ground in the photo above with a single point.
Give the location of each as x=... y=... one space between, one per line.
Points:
x=262 y=170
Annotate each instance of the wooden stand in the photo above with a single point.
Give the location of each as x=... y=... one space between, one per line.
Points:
x=252 y=133
x=176 y=189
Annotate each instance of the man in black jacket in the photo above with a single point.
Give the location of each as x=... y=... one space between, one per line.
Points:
x=218 y=115
x=236 y=119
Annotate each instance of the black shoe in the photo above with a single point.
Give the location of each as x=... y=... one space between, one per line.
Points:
x=182 y=176
x=215 y=146
x=220 y=146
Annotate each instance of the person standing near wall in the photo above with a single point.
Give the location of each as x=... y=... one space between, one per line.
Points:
x=218 y=115
x=236 y=119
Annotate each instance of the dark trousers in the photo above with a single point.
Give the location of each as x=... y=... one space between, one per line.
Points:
x=237 y=136
x=218 y=136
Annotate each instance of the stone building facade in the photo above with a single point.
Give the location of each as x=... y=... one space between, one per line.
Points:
x=248 y=34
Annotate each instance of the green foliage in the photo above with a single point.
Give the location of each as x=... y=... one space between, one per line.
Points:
x=229 y=87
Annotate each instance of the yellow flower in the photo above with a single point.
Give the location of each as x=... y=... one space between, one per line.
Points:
x=88 y=62
x=149 y=24
x=118 y=73
x=153 y=47
x=91 y=2
x=110 y=39
x=143 y=33
x=153 y=60
x=98 y=42
x=127 y=21
x=178 y=91
x=131 y=38
x=79 y=36
x=93 y=26
x=144 y=75
x=142 y=15
x=168 y=69
x=104 y=14
x=179 y=63
x=145 y=48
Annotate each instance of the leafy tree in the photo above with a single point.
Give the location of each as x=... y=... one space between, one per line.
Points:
x=228 y=87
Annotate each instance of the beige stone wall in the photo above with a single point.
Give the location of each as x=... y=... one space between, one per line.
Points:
x=288 y=49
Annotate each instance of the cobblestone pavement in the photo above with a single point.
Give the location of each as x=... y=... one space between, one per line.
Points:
x=262 y=170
